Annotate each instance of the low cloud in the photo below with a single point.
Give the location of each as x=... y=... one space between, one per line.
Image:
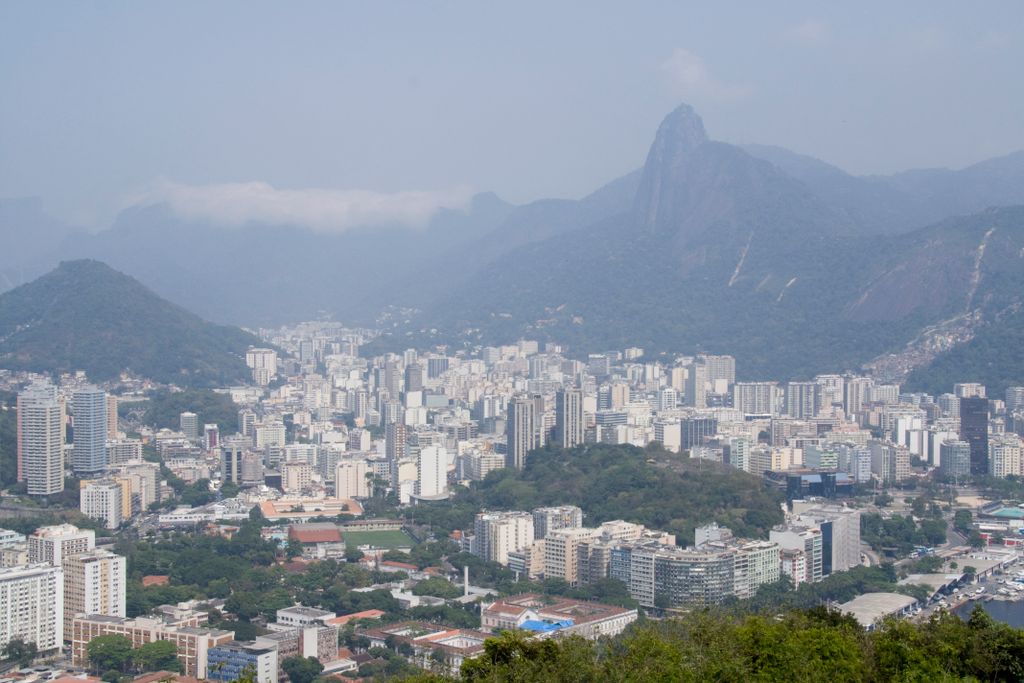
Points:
x=319 y=210
x=810 y=32
x=690 y=78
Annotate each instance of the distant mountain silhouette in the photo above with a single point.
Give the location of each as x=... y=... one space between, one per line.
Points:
x=791 y=264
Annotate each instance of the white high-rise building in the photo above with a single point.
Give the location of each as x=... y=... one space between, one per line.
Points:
x=90 y=437
x=499 y=533
x=296 y=477
x=51 y=544
x=32 y=606
x=520 y=431
x=94 y=583
x=546 y=520
x=189 y=423
x=755 y=398
x=263 y=363
x=41 y=439
x=569 y=425
x=103 y=499
x=1004 y=455
x=432 y=472
x=802 y=399
x=350 y=479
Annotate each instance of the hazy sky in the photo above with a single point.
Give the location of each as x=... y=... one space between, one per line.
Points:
x=275 y=104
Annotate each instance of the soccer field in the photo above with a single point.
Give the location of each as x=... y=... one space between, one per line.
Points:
x=378 y=539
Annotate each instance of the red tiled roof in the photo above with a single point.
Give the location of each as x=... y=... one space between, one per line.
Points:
x=399 y=565
x=345 y=618
x=315 y=535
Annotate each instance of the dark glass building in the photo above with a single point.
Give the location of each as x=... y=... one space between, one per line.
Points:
x=974 y=430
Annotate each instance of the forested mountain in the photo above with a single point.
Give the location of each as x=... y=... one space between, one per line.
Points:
x=86 y=316
x=652 y=486
x=724 y=252
x=909 y=200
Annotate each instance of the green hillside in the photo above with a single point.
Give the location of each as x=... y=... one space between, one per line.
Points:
x=651 y=486
x=86 y=316
x=994 y=357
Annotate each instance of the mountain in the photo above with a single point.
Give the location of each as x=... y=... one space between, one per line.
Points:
x=909 y=200
x=725 y=252
x=87 y=316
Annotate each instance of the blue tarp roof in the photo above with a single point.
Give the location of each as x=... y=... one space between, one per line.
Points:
x=545 y=626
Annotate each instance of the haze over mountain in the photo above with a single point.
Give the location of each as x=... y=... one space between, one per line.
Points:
x=86 y=316
x=787 y=262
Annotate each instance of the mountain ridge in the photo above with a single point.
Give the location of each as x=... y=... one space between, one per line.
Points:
x=87 y=316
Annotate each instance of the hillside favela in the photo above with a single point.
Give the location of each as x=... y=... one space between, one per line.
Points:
x=450 y=342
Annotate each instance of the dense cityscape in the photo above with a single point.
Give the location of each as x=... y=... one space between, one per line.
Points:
x=329 y=457
x=467 y=342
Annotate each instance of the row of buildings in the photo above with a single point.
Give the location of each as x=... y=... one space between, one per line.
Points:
x=815 y=541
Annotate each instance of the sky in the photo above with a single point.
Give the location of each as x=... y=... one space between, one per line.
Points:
x=332 y=113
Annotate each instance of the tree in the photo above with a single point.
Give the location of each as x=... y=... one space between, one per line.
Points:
x=160 y=655
x=962 y=520
x=20 y=652
x=302 y=669
x=293 y=549
x=436 y=587
x=109 y=653
x=975 y=539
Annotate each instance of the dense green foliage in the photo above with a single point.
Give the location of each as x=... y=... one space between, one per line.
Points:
x=302 y=669
x=437 y=587
x=898 y=535
x=160 y=655
x=115 y=653
x=164 y=409
x=20 y=652
x=837 y=588
x=86 y=316
x=994 y=357
x=245 y=571
x=810 y=645
x=110 y=653
x=610 y=482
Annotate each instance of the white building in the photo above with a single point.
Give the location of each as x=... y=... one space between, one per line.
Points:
x=350 y=479
x=51 y=544
x=499 y=533
x=94 y=583
x=1004 y=455
x=32 y=606
x=41 y=439
x=102 y=499
x=296 y=477
x=432 y=472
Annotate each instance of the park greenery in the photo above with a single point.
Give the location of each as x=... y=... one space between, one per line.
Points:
x=898 y=534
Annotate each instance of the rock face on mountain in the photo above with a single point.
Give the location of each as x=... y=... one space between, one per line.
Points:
x=728 y=253
x=86 y=316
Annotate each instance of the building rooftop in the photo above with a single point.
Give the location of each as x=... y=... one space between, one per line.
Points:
x=870 y=607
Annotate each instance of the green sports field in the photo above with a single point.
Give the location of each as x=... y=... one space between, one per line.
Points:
x=378 y=539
